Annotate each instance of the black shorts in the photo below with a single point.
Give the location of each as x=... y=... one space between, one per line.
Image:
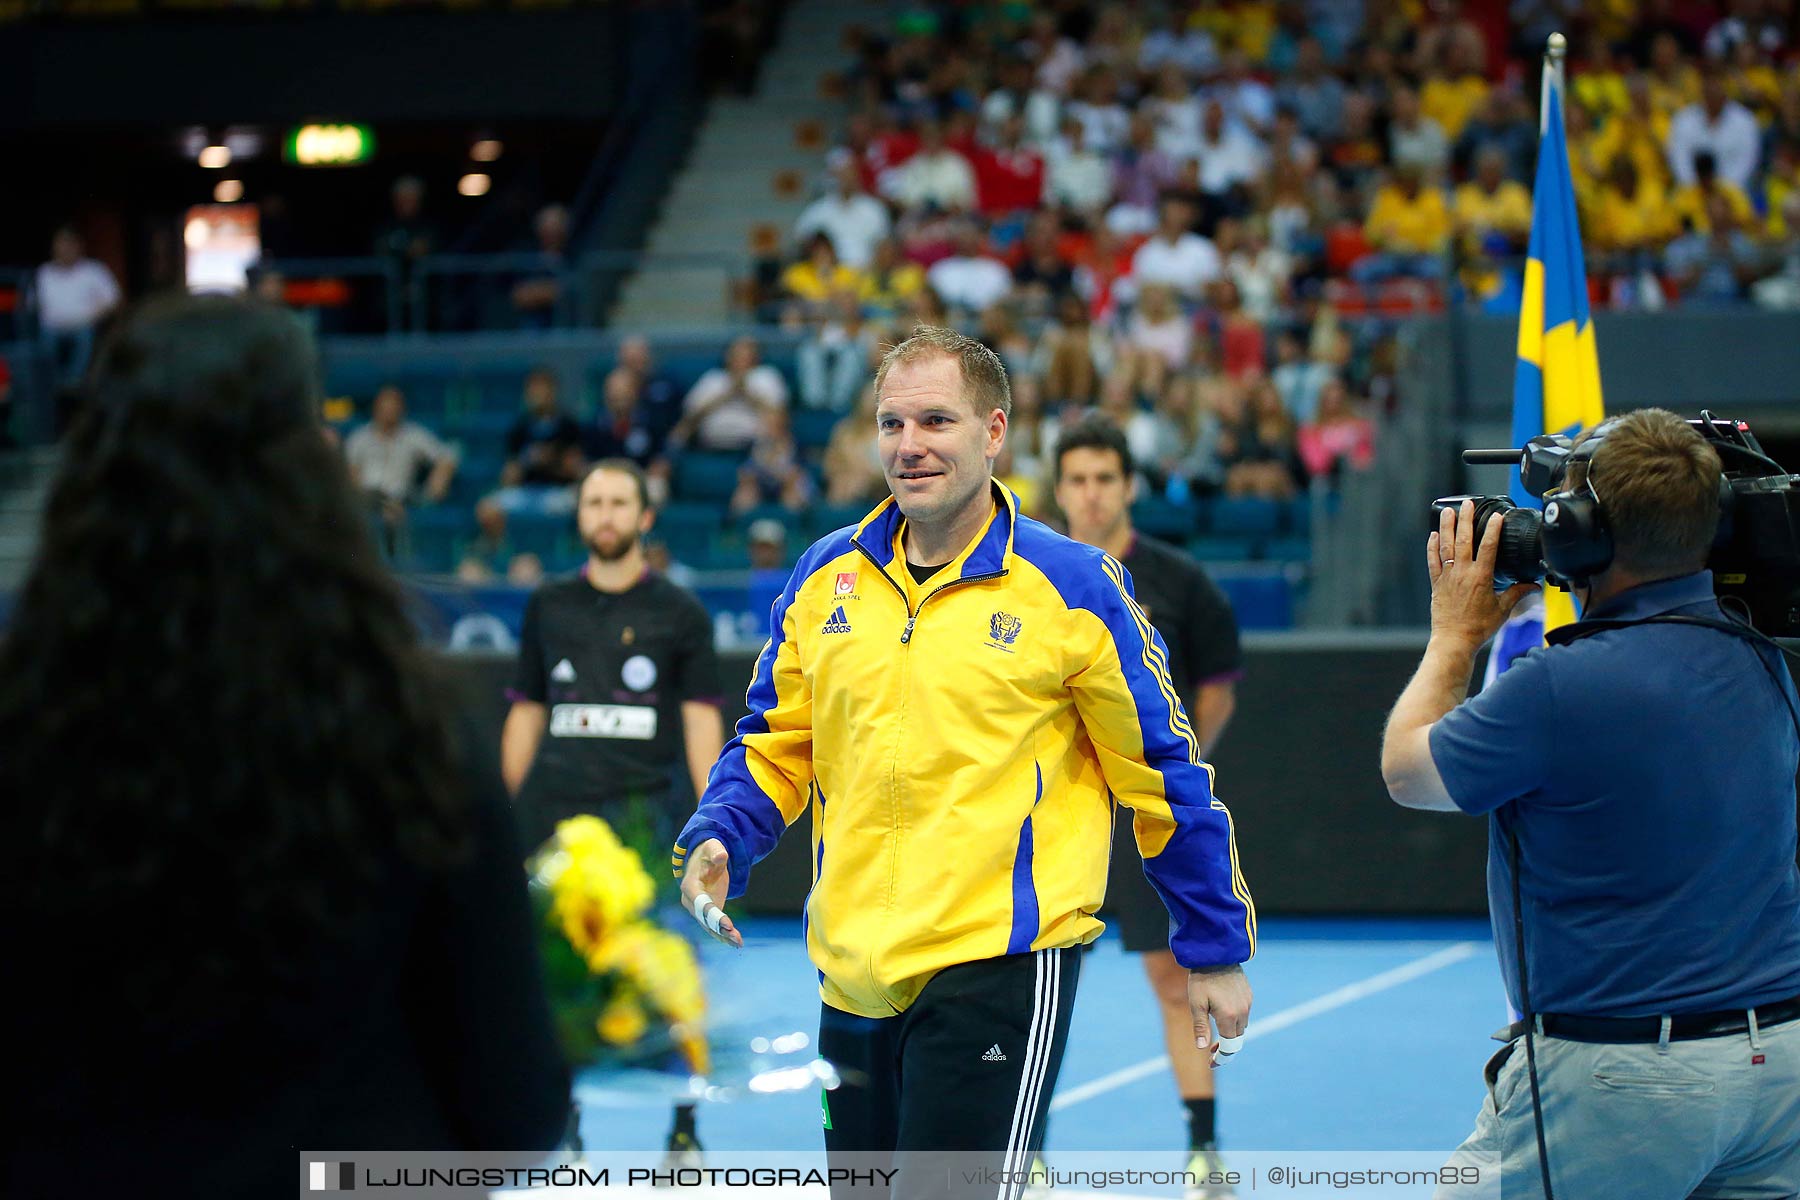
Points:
x=1132 y=906
x=968 y=1069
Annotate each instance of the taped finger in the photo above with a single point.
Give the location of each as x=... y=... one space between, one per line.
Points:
x=1227 y=1047
x=707 y=913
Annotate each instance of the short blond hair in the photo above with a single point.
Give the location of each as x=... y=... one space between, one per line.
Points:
x=983 y=374
x=1658 y=483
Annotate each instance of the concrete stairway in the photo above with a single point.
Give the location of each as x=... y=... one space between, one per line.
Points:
x=755 y=163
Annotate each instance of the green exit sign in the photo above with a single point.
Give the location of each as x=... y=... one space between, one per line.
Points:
x=330 y=145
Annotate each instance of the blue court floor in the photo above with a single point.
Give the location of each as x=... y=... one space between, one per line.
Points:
x=1365 y=1035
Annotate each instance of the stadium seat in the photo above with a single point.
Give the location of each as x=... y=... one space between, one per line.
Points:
x=791 y=521
x=434 y=552
x=1222 y=548
x=813 y=426
x=357 y=380
x=495 y=389
x=593 y=386
x=686 y=529
x=543 y=536
x=566 y=557
x=441 y=516
x=684 y=368
x=1288 y=549
x=1166 y=519
x=1297 y=516
x=684 y=364
x=723 y=553
x=436 y=535
x=1245 y=515
x=481 y=433
x=701 y=475
x=687 y=520
x=1347 y=297
x=784 y=357
x=1406 y=297
x=1261 y=600
x=477 y=474
x=1345 y=245
x=427 y=394
x=822 y=519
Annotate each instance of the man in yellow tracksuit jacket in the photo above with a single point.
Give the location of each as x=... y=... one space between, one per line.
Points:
x=959 y=694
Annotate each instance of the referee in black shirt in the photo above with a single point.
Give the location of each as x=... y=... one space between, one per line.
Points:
x=1094 y=488
x=617 y=667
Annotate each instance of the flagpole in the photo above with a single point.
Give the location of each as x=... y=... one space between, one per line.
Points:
x=1554 y=51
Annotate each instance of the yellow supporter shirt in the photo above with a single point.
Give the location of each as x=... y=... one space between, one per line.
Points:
x=1451 y=102
x=1758 y=89
x=1669 y=96
x=1614 y=19
x=809 y=283
x=890 y=291
x=1689 y=204
x=1249 y=26
x=1621 y=222
x=1603 y=92
x=1626 y=134
x=1586 y=165
x=1417 y=226
x=1507 y=209
x=1779 y=189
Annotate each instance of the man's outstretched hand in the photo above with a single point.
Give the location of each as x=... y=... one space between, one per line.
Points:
x=703 y=888
x=1219 y=996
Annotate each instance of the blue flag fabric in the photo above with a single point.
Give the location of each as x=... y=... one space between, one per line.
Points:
x=1556 y=382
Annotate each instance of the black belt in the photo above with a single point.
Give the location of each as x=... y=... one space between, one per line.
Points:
x=1682 y=1027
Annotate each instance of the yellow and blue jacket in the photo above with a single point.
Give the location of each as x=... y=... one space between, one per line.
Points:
x=960 y=744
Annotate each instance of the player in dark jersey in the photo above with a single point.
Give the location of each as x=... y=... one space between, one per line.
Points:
x=616 y=677
x=1094 y=484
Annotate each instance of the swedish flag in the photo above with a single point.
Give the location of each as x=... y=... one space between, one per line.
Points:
x=1556 y=382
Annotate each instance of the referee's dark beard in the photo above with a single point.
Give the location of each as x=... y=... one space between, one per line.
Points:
x=620 y=549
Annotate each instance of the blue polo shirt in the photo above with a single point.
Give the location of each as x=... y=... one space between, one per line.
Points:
x=1649 y=776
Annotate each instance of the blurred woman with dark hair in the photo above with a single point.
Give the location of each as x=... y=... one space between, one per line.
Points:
x=262 y=888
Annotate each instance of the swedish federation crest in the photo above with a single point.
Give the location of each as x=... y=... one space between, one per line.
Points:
x=1004 y=628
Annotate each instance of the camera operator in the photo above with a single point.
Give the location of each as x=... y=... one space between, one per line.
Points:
x=1641 y=873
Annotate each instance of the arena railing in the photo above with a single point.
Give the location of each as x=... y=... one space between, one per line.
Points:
x=443 y=293
x=1365 y=542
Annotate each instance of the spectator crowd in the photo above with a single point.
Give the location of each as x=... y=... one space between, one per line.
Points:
x=1174 y=215
x=1194 y=220
x=1351 y=150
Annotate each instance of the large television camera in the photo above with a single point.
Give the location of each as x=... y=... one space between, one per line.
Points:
x=1755 y=558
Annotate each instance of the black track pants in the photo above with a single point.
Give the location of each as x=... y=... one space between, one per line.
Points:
x=969 y=1068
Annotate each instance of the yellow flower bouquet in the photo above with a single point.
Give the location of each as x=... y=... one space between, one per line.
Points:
x=621 y=987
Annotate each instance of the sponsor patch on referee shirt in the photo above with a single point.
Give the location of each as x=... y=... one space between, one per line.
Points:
x=630 y=721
